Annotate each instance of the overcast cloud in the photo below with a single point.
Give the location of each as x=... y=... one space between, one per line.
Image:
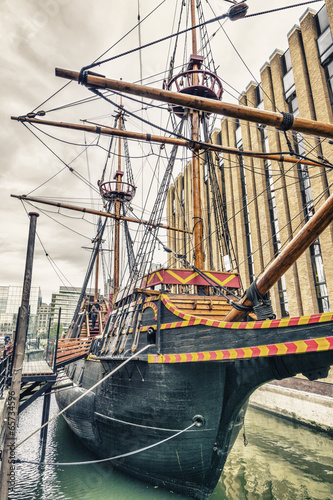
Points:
x=37 y=36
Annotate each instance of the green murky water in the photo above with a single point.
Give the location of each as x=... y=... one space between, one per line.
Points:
x=282 y=461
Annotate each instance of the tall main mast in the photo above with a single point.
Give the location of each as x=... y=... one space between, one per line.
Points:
x=197 y=219
x=118 y=177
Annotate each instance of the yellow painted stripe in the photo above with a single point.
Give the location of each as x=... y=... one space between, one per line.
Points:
x=301 y=346
x=266 y=324
x=323 y=344
x=222 y=283
x=264 y=351
x=284 y=322
x=151 y=277
x=282 y=349
x=247 y=352
x=325 y=317
x=304 y=320
x=183 y=281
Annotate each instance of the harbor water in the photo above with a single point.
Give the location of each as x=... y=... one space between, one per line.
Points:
x=282 y=461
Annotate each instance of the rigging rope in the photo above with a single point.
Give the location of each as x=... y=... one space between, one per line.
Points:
x=85 y=393
x=283 y=8
x=101 y=460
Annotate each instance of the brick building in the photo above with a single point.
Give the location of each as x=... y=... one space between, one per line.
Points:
x=267 y=202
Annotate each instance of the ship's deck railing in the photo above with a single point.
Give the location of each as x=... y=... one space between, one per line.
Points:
x=70 y=350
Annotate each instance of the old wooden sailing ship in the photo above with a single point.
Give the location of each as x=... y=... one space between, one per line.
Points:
x=195 y=350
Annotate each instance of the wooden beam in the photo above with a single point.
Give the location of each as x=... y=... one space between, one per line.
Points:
x=110 y=131
x=96 y=212
x=265 y=117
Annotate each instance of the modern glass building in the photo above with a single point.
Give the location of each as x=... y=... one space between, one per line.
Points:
x=10 y=302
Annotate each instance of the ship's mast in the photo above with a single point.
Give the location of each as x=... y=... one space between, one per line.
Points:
x=96 y=275
x=118 y=177
x=197 y=219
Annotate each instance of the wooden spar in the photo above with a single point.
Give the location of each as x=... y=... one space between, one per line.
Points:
x=196 y=190
x=96 y=212
x=105 y=130
x=96 y=277
x=264 y=117
x=288 y=256
x=194 y=33
x=110 y=131
x=118 y=177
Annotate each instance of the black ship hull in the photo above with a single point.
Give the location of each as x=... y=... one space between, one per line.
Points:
x=154 y=397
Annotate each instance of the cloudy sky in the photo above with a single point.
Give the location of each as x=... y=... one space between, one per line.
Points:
x=39 y=35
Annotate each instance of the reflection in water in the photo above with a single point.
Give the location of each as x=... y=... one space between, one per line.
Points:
x=282 y=461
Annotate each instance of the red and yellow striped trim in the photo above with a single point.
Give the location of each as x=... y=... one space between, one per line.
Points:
x=237 y=325
x=297 y=347
x=188 y=277
x=152 y=306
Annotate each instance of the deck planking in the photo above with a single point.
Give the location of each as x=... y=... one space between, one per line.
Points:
x=36 y=368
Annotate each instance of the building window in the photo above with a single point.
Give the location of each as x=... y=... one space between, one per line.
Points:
x=325 y=48
x=329 y=79
x=308 y=208
x=247 y=226
x=283 y=299
x=288 y=78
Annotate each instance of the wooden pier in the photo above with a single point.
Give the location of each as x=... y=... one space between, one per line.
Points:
x=39 y=377
x=36 y=368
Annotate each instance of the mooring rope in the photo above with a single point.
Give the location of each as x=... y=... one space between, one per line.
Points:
x=89 y=462
x=84 y=394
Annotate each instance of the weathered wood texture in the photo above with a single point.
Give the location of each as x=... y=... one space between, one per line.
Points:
x=210 y=106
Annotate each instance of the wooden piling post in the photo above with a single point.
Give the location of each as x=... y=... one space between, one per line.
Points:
x=7 y=473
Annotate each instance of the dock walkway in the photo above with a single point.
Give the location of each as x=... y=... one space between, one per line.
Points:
x=36 y=368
